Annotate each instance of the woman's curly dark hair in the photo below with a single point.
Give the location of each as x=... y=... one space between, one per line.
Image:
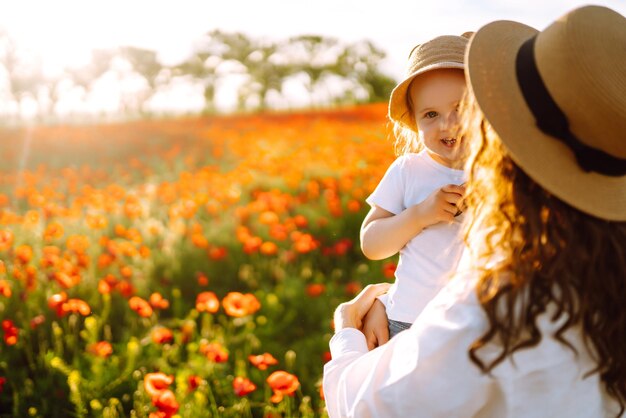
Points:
x=552 y=254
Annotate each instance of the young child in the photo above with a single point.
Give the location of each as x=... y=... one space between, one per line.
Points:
x=416 y=206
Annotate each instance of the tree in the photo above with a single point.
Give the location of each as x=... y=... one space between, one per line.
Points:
x=266 y=72
x=314 y=56
x=145 y=63
x=23 y=76
x=360 y=62
x=85 y=77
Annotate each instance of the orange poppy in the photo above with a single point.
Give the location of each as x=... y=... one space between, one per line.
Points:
x=215 y=352
x=126 y=272
x=105 y=260
x=203 y=280
x=125 y=288
x=279 y=232
x=354 y=205
x=54 y=230
x=104 y=288
x=304 y=243
x=207 y=302
x=158 y=302
x=100 y=349
x=66 y=280
x=5 y=288
x=24 y=253
x=162 y=335
x=238 y=304
x=300 y=221
x=268 y=218
x=96 y=221
x=56 y=301
x=252 y=244
x=217 y=253
x=199 y=241
x=77 y=243
x=6 y=240
x=51 y=256
x=76 y=306
x=268 y=248
x=282 y=383
x=140 y=306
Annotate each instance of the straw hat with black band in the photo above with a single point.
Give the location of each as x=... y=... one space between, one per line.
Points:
x=442 y=52
x=557 y=100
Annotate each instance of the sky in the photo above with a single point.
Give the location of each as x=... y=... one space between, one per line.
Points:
x=64 y=31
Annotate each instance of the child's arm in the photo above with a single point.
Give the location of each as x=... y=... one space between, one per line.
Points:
x=376 y=325
x=383 y=234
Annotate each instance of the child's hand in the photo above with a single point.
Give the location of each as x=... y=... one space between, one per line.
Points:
x=442 y=205
x=351 y=314
x=376 y=326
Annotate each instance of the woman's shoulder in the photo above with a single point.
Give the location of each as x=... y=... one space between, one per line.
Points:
x=459 y=295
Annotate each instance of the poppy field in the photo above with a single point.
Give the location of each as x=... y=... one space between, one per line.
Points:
x=182 y=267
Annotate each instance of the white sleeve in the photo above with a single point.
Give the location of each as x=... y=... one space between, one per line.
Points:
x=422 y=372
x=389 y=194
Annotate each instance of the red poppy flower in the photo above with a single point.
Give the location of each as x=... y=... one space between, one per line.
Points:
x=155 y=383
x=389 y=270
x=262 y=361
x=243 y=386
x=166 y=402
x=10 y=332
x=194 y=381
x=315 y=289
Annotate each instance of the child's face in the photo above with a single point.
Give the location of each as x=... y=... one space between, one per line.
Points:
x=435 y=98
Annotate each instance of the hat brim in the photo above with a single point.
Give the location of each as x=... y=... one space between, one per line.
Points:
x=398 y=109
x=491 y=74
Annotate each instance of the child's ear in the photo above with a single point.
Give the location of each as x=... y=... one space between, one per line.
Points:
x=467 y=35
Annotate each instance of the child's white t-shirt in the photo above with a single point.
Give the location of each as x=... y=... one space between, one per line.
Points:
x=426 y=259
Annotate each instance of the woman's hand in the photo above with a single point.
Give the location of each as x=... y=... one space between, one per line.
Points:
x=350 y=314
x=376 y=325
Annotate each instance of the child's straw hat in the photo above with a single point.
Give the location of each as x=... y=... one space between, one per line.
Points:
x=441 y=52
x=557 y=99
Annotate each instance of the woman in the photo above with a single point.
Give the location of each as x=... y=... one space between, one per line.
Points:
x=534 y=322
